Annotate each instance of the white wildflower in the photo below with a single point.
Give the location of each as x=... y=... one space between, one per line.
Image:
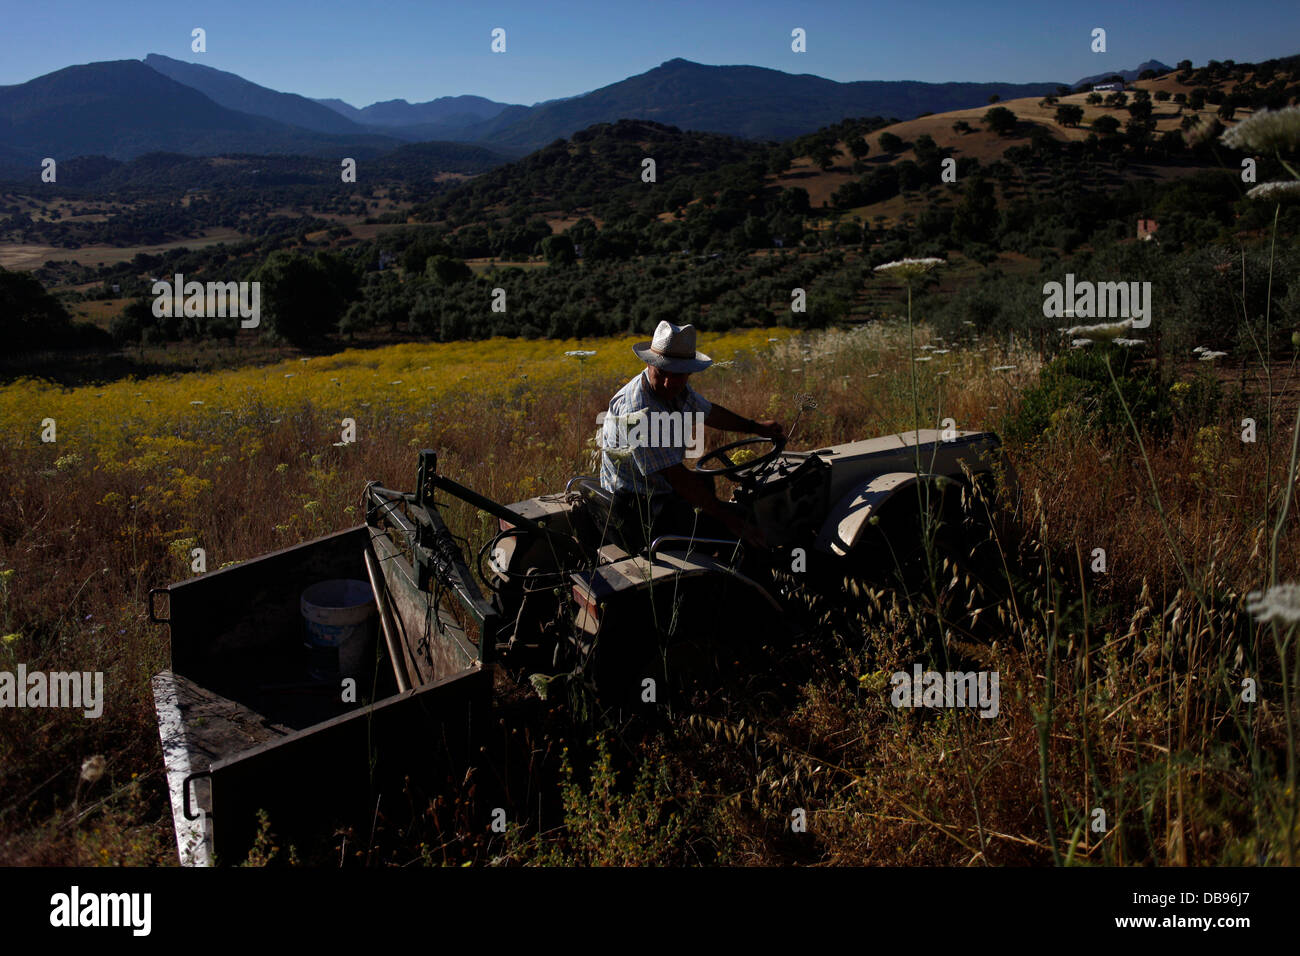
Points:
x=1280 y=601
x=1211 y=356
x=1080 y=343
x=1267 y=130
x=92 y=768
x=1275 y=192
x=1004 y=368
x=1101 y=332
x=1129 y=342
x=581 y=354
x=909 y=269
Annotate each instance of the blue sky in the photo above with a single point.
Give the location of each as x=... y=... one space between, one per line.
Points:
x=364 y=52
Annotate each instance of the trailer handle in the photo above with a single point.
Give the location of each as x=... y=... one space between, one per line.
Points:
x=154 y=618
x=185 y=794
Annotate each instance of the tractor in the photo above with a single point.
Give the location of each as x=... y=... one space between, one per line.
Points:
x=558 y=591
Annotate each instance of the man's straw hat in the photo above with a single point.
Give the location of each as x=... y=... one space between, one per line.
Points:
x=673 y=349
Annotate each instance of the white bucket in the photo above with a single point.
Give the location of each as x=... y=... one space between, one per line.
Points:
x=339 y=618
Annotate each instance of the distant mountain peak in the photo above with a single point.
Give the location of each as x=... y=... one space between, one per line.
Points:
x=1128 y=75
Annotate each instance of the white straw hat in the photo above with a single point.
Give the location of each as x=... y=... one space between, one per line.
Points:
x=673 y=349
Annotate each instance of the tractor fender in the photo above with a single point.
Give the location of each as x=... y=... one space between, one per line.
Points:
x=849 y=516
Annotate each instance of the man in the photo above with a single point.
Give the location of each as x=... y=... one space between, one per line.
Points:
x=651 y=423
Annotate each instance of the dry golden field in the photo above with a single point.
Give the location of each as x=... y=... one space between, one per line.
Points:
x=1121 y=691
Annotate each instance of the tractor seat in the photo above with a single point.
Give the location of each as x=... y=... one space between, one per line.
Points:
x=599 y=506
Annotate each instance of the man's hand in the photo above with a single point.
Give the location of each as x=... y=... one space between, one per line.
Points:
x=720 y=417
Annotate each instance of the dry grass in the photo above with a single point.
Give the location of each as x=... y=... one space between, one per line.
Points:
x=1133 y=680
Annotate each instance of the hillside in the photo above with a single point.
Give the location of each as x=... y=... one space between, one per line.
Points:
x=743 y=101
x=602 y=163
x=236 y=93
x=560 y=180
x=1036 y=117
x=124 y=108
x=449 y=111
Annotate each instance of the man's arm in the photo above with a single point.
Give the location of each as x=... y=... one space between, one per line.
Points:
x=728 y=420
x=698 y=491
x=695 y=490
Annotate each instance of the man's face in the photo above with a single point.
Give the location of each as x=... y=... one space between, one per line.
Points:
x=666 y=385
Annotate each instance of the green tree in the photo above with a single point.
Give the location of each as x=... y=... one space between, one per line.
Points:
x=445 y=270
x=1105 y=125
x=976 y=215
x=559 y=250
x=128 y=327
x=303 y=298
x=824 y=154
x=794 y=200
x=1000 y=120
x=891 y=143
x=30 y=318
x=1069 y=114
x=928 y=153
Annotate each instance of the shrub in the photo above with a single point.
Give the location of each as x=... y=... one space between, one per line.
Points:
x=1077 y=385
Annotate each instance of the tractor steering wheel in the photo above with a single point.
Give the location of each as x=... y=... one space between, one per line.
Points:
x=735 y=470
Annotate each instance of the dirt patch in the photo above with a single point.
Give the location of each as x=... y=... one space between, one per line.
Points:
x=23 y=256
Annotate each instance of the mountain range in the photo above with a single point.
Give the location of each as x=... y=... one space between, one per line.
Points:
x=1128 y=75
x=123 y=109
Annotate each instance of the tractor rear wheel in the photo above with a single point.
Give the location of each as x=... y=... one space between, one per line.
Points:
x=936 y=551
